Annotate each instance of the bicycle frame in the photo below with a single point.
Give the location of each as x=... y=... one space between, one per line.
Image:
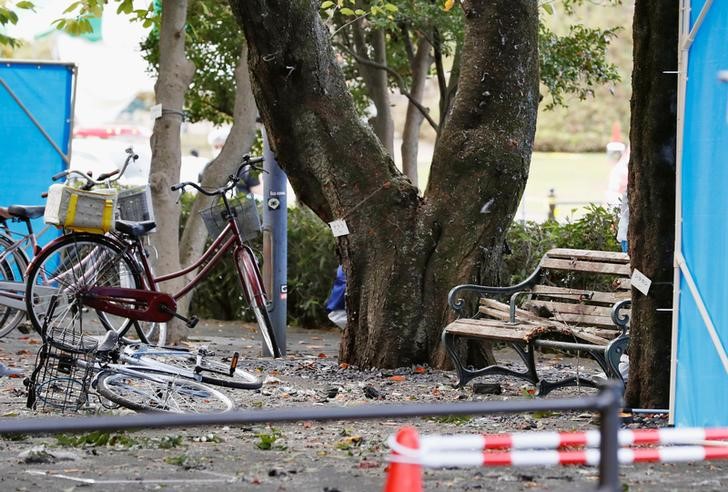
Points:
x=160 y=307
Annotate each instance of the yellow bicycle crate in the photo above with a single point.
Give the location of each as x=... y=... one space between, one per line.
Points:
x=80 y=210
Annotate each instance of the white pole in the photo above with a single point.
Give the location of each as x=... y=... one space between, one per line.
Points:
x=683 y=52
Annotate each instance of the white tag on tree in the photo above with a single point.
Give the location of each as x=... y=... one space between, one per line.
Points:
x=640 y=281
x=339 y=228
x=156 y=111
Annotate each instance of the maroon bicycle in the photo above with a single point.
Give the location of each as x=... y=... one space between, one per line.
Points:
x=105 y=282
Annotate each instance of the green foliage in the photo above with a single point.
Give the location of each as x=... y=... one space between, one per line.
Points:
x=575 y=63
x=97 y=439
x=529 y=241
x=311 y=267
x=267 y=440
x=452 y=419
x=8 y=16
x=213 y=44
x=585 y=125
x=179 y=460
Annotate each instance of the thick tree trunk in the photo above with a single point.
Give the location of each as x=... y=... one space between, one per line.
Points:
x=376 y=83
x=403 y=252
x=175 y=75
x=652 y=197
x=241 y=137
x=411 y=133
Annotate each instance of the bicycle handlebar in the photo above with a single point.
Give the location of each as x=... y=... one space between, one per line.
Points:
x=90 y=182
x=233 y=179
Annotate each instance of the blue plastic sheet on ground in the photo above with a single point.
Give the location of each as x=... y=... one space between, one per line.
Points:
x=27 y=159
x=701 y=386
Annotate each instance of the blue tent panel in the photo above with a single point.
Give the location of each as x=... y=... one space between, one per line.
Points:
x=28 y=160
x=701 y=384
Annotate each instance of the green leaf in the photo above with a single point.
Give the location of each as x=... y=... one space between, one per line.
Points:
x=327 y=4
x=548 y=8
x=71 y=7
x=391 y=7
x=25 y=5
x=124 y=7
x=346 y=11
x=360 y=12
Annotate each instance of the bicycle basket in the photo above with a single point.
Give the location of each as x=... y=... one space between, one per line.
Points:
x=135 y=204
x=81 y=210
x=246 y=215
x=62 y=373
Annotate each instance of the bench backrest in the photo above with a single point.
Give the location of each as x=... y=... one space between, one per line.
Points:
x=579 y=287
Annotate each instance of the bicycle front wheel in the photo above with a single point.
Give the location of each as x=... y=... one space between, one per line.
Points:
x=252 y=284
x=141 y=389
x=66 y=270
x=214 y=369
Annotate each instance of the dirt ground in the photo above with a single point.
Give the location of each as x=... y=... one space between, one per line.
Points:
x=305 y=456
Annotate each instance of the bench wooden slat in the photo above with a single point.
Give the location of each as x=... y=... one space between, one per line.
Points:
x=589 y=255
x=623 y=284
x=492 y=329
x=559 y=308
x=489 y=329
x=502 y=311
x=576 y=294
x=586 y=266
x=581 y=319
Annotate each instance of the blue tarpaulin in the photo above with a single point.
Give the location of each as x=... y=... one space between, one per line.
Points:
x=42 y=92
x=700 y=392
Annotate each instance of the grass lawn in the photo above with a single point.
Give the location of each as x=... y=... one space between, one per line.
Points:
x=577 y=179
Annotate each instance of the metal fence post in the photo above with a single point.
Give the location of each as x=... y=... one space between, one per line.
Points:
x=275 y=237
x=610 y=403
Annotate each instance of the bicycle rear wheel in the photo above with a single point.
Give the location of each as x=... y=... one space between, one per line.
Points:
x=12 y=267
x=141 y=389
x=252 y=284
x=68 y=268
x=215 y=369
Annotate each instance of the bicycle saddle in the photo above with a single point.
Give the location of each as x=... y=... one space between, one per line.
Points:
x=26 y=212
x=108 y=342
x=135 y=229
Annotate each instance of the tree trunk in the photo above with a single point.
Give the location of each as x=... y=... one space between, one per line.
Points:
x=175 y=75
x=241 y=137
x=403 y=252
x=376 y=83
x=413 y=122
x=652 y=198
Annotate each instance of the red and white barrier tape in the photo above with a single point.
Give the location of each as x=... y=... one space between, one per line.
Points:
x=554 y=440
x=462 y=459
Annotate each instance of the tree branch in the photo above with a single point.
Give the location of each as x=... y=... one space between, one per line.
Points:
x=441 y=82
x=400 y=83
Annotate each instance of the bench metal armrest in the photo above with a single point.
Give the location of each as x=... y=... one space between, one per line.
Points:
x=457 y=304
x=621 y=320
x=512 y=306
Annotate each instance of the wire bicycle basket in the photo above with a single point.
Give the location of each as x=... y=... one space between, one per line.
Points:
x=63 y=370
x=245 y=212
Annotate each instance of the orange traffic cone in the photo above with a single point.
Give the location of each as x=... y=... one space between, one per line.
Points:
x=405 y=477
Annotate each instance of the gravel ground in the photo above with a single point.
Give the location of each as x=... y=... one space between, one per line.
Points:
x=306 y=456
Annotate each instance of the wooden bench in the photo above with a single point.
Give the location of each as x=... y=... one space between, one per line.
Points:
x=574 y=300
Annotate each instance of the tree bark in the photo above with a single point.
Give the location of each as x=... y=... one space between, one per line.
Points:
x=411 y=133
x=241 y=137
x=403 y=252
x=651 y=192
x=175 y=75
x=376 y=83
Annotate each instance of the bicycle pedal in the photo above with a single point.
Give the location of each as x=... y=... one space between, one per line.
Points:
x=234 y=362
x=192 y=322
